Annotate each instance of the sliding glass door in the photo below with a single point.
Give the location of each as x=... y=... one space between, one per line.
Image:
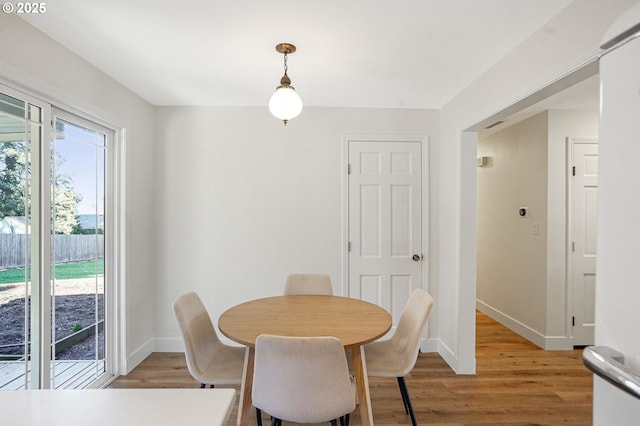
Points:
x=54 y=292
x=77 y=251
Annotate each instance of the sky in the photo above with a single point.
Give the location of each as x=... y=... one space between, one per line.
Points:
x=80 y=155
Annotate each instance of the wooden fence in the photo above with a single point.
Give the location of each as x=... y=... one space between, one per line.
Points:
x=68 y=248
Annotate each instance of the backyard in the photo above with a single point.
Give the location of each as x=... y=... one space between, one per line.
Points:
x=77 y=290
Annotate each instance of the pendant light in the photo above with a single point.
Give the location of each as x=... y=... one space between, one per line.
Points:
x=285 y=103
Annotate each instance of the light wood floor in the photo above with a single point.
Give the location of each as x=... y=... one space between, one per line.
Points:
x=516 y=384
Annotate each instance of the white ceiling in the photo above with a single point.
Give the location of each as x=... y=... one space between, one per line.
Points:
x=355 y=53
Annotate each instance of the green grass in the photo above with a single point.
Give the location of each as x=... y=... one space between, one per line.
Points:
x=64 y=271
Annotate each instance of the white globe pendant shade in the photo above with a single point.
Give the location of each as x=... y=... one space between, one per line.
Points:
x=285 y=103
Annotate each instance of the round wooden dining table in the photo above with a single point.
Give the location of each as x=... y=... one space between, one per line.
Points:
x=353 y=321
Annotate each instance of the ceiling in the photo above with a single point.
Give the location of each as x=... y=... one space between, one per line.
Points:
x=355 y=53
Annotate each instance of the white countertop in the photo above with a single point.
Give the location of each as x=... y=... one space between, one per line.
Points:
x=117 y=407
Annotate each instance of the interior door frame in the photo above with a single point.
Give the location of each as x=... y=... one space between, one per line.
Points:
x=423 y=140
x=571 y=141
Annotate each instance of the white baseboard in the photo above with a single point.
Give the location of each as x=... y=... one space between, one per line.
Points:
x=459 y=367
x=138 y=355
x=549 y=343
x=175 y=344
x=448 y=355
x=429 y=345
x=168 y=344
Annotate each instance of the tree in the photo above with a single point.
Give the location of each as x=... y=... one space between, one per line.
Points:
x=66 y=205
x=12 y=178
x=14 y=174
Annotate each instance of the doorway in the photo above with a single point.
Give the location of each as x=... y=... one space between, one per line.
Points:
x=539 y=309
x=56 y=195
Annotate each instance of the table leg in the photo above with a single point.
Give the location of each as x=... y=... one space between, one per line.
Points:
x=244 y=406
x=362 y=386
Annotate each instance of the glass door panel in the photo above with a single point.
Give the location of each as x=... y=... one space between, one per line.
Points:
x=77 y=250
x=20 y=130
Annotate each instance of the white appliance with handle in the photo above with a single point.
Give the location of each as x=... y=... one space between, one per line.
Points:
x=617 y=305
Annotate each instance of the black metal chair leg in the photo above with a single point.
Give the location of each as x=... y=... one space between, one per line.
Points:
x=334 y=422
x=344 y=420
x=402 y=393
x=407 y=400
x=274 y=421
x=259 y=416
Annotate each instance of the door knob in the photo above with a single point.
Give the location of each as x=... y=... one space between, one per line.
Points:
x=416 y=258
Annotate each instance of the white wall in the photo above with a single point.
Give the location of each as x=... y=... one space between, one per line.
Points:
x=29 y=59
x=566 y=43
x=521 y=278
x=242 y=200
x=512 y=258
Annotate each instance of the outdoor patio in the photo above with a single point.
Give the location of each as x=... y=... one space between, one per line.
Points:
x=68 y=374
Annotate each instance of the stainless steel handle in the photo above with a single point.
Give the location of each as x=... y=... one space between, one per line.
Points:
x=610 y=365
x=416 y=258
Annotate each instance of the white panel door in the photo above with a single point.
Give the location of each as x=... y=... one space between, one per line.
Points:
x=385 y=222
x=584 y=201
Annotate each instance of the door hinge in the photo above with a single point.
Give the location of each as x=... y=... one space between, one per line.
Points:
x=573 y=321
x=573 y=171
x=349 y=246
x=573 y=246
x=348 y=169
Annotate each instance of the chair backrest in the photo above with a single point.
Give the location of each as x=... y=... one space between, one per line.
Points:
x=406 y=338
x=302 y=379
x=308 y=284
x=200 y=338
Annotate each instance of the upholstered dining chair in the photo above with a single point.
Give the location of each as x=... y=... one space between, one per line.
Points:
x=396 y=356
x=302 y=380
x=209 y=361
x=308 y=284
